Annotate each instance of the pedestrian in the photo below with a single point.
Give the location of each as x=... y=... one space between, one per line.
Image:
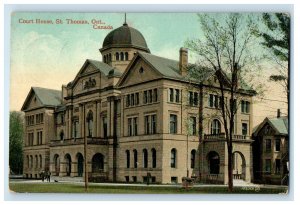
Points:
x=42 y=175
x=49 y=174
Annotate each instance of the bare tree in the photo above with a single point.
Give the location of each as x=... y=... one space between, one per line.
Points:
x=225 y=47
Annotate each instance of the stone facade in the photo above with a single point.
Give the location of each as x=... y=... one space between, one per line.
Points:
x=140 y=118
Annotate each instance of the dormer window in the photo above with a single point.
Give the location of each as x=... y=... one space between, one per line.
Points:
x=141 y=70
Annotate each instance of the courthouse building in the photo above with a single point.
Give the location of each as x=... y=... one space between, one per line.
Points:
x=140 y=116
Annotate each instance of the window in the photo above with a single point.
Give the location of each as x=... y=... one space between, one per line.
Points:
x=36 y=161
x=30 y=120
x=75 y=129
x=173 y=158
x=155 y=95
x=135 y=158
x=145 y=158
x=39 y=118
x=277 y=145
x=193 y=98
x=244 y=129
x=177 y=95
x=277 y=166
x=192 y=128
x=174 y=180
x=137 y=98
x=145 y=97
x=122 y=56
x=61 y=135
x=215 y=127
x=117 y=56
x=134 y=179
x=127 y=100
x=135 y=126
x=127 y=159
x=214 y=101
x=245 y=106
x=268 y=145
x=104 y=121
x=127 y=178
x=171 y=95
x=129 y=126
x=126 y=56
x=268 y=166
x=90 y=123
x=150 y=96
x=173 y=124
x=30 y=139
x=150 y=124
x=153 y=151
x=109 y=57
x=131 y=100
x=193 y=158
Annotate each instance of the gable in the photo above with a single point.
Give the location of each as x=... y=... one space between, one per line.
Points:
x=139 y=72
x=267 y=130
x=32 y=102
x=87 y=82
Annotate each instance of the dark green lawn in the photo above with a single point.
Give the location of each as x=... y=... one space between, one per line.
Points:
x=79 y=188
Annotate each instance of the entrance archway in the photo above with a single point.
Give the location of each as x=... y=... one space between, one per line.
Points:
x=79 y=164
x=213 y=162
x=56 y=164
x=68 y=163
x=238 y=166
x=97 y=163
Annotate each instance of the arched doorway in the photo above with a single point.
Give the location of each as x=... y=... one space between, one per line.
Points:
x=213 y=162
x=79 y=164
x=68 y=163
x=97 y=163
x=56 y=164
x=238 y=166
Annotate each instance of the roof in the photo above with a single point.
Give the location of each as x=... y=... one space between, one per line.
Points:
x=280 y=125
x=47 y=97
x=125 y=36
x=102 y=67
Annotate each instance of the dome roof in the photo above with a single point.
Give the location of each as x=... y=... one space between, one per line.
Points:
x=125 y=36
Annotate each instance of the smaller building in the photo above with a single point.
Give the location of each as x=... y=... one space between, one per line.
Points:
x=271 y=151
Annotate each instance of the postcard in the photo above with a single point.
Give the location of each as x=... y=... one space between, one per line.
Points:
x=143 y=103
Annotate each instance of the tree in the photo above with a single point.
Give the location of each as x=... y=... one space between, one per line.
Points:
x=16 y=130
x=276 y=38
x=225 y=47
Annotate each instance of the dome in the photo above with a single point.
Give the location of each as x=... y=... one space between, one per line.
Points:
x=125 y=36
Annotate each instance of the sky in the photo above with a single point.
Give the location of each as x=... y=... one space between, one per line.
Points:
x=49 y=55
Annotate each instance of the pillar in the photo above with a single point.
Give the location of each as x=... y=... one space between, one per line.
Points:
x=70 y=122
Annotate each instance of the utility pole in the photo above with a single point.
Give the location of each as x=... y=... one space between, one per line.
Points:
x=85 y=152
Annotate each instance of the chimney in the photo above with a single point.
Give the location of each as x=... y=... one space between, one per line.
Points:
x=278 y=113
x=183 y=61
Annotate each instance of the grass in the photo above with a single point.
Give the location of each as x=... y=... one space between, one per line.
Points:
x=79 y=188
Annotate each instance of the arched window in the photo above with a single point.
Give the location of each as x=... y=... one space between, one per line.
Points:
x=117 y=56
x=153 y=158
x=31 y=161
x=90 y=123
x=109 y=57
x=41 y=161
x=173 y=158
x=56 y=164
x=62 y=136
x=145 y=157
x=104 y=58
x=193 y=158
x=122 y=56
x=215 y=127
x=213 y=162
x=68 y=164
x=127 y=159
x=135 y=158
x=28 y=163
x=36 y=161
x=126 y=56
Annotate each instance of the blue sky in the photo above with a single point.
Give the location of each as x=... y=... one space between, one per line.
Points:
x=49 y=55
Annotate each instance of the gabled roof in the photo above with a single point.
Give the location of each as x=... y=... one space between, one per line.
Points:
x=280 y=125
x=98 y=65
x=47 y=97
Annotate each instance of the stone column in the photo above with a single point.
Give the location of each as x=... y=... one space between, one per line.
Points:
x=67 y=123
x=62 y=169
x=98 y=119
x=81 y=121
x=74 y=172
x=95 y=121
x=108 y=117
x=70 y=122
